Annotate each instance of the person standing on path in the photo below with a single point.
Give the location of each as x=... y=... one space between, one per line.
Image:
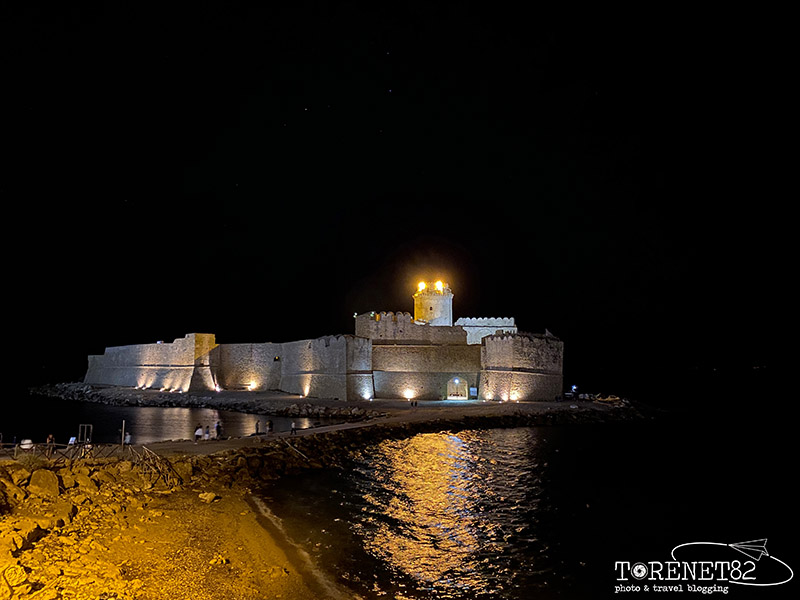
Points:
x=294 y=429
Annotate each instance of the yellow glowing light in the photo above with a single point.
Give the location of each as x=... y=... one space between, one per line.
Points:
x=421 y=286
x=251 y=386
x=432 y=481
x=409 y=394
x=439 y=286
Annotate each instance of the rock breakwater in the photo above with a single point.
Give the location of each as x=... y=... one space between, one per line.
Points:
x=274 y=403
x=117 y=528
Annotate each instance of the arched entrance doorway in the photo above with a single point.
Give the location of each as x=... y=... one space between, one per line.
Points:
x=457 y=389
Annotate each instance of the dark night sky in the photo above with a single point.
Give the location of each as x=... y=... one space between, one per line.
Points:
x=262 y=173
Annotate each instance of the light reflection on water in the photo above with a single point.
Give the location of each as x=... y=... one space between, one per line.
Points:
x=540 y=513
x=423 y=519
x=39 y=416
x=444 y=509
x=432 y=516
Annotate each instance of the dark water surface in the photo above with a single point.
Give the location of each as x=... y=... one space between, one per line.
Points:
x=539 y=512
x=34 y=417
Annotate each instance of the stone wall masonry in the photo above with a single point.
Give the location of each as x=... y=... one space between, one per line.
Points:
x=166 y=378
x=391 y=328
x=510 y=365
x=315 y=385
x=161 y=365
x=252 y=366
x=426 y=359
x=538 y=352
x=478 y=328
x=502 y=385
x=418 y=386
x=328 y=367
x=359 y=354
x=521 y=366
x=486 y=322
x=320 y=355
x=422 y=372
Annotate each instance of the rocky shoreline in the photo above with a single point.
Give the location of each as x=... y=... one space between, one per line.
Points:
x=125 y=529
x=275 y=404
x=110 y=529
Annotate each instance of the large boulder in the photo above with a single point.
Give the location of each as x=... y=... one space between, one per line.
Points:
x=44 y=483
x=13 y=493
x=19 y=475
x=85 y=483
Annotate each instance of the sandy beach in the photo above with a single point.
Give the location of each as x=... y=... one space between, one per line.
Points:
x=105 y=529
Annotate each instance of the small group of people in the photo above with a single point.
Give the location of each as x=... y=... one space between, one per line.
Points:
x=268 y=426
x=206 y=434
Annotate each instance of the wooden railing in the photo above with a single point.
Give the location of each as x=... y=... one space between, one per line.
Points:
x=152 y=466
x=57 y=453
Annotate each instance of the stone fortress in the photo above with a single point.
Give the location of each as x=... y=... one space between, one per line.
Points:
x=391 y=355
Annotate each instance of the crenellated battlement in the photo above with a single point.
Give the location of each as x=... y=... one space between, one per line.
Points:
x=479 y=327
x=540 y=352
x=521 y=334
x=401 y=328
x=485 y=321
x=328 y=340
x=401 y=316
x=391 y=355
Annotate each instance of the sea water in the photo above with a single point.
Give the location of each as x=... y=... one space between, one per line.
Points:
x=541 y=512
x=35 y=417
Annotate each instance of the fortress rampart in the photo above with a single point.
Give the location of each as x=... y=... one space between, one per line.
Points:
x=331 y=367
x=400 y=328
x=479 y=327
x=391 y=355
x=163 y=366
x=521 y=366
x=423 y=371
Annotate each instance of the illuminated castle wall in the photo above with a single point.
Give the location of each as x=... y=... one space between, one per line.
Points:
x=327 y=367
x=391 y=355
x=182 y=365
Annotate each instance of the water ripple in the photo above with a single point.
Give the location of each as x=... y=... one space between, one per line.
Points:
x=447 y=511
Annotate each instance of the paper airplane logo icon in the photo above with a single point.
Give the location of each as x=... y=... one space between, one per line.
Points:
x=754 y=549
